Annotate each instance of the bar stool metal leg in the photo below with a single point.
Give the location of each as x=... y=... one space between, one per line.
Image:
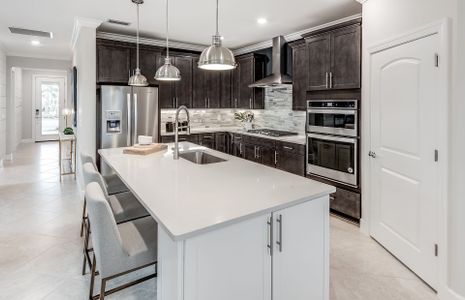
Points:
x=84 y=217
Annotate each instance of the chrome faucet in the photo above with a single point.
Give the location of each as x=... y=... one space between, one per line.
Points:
x=177 y=127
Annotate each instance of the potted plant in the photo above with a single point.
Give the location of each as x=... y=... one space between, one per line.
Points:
x=246 y=118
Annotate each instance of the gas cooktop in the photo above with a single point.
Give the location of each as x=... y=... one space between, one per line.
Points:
x=272 y=132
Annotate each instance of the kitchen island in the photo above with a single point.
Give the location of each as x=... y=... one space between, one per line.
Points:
x=232 y=229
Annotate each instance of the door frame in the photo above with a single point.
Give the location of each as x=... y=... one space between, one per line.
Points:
x=36 y=77
x=442 y=29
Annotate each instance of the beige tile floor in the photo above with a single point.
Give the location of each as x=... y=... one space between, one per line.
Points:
x=40 y=247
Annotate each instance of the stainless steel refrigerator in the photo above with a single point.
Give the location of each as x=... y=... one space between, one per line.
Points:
x=124 y=113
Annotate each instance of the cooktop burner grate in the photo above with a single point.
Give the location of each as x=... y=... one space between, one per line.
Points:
x=272 y=132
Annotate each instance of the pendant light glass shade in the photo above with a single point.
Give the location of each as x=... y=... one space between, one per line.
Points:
x=216 y=57
x=167 y=72
x=138 y=79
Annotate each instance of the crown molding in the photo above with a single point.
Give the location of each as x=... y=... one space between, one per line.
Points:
x=293 y=36
x=149 y=41
x=79 y=23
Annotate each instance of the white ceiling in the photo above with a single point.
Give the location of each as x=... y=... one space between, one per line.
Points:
x=191 y=21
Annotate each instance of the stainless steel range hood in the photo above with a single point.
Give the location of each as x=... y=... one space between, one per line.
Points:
x=278 y=62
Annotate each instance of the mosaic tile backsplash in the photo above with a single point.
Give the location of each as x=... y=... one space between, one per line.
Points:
x=278 y=114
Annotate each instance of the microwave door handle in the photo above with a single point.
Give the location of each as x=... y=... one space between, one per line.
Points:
x=128 y=103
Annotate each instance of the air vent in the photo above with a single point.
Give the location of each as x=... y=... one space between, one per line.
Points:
x=118 y=22
x=30 y=32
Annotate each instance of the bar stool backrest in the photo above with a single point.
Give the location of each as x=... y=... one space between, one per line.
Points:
x=106 y=238
x=92 y=175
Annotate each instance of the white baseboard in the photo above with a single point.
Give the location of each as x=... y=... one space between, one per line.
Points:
x=24 y=141
x=364 y=227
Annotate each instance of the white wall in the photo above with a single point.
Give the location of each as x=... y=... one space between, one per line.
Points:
x=14 y=111
x=2 y=103
x=385 y=19
x=84 y=58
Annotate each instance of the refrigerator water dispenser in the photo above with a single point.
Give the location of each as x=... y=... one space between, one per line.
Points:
x=113 y=121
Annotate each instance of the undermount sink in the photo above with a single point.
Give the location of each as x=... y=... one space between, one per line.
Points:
x=200 y=157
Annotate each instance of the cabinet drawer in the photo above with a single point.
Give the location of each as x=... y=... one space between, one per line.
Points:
x=346 y=202
x=290 y=147
x=258 y=141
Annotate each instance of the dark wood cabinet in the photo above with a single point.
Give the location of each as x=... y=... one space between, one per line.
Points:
x=207 y=140
x=250 y=68
x=290 y=157
x=113 y=62
x=259 y=150
x=299 y=75
x=183 y=87
x=334 y=59
x=147 y=62
x=177 y=93
x=237 y=147
x=211 y=89
x=223 y=142
x=199 y=93
x=226 y=89
x=346 y=57
x=346 y=202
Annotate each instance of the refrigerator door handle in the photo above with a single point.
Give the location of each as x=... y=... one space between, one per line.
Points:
x=129 y=119
x=135 y=119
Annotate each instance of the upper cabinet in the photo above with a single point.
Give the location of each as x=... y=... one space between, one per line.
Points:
x=116 y=61
x=250 y=68
x=113 y=62
x=299 y=75
x=334 y=59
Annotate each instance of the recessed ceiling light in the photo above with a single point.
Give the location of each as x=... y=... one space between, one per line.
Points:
x=35 y=43
x=262 y=21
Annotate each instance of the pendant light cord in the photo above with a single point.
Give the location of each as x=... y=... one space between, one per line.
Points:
x=167 y=32
x=137 y=36
x=217 y=30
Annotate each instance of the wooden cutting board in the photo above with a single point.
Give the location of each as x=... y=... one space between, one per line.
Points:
x=145 y=149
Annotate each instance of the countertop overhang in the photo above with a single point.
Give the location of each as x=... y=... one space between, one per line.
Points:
x=187 y=199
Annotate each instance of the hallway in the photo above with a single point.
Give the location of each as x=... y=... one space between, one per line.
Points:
x=41 y=252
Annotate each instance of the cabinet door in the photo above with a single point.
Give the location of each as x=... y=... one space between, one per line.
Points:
x=318 y=49
x=237 y=147
x=346 y=57
x=226 y=92
x=114 y=64
x=301 y=251
x=183 y=88
x=246 y=77
x=148 y=62
x=229 y=263
x=165 y=89
x=199 y=95
x=266 y=155
x=299 y=77
x=213 y=89
x=207 y=140
x=291 y=158
x=222 y=141
x=249 y=151
x=236 y=85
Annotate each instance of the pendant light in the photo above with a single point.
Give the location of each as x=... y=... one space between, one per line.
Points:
x=216 y=57
x=138 y=79
x=167 y=72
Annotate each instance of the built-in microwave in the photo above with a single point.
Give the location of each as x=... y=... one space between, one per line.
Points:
x=333 y=157
x=336 y=117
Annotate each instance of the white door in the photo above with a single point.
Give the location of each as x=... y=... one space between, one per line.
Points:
x=404 y=97
x=49 y=101
x=301 y=249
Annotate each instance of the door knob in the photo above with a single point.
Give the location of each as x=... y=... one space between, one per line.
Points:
x=372 y=154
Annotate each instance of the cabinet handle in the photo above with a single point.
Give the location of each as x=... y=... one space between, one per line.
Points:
x=258 y=152
x=206 y=104
x=327 y=79
x=240 y=148
x=275 y=158
x=270 y=235
x=330 y=80
x=250 y=103
x=288 y=148
x=279 y=240
x=235 y=102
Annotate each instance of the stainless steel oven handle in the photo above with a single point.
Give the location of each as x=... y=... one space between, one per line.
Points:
x=332 y=111
x=333 y=138
x=128 y=141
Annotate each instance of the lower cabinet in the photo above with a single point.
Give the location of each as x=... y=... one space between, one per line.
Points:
x=346 y=202
x=290 y=157
x=284 y=253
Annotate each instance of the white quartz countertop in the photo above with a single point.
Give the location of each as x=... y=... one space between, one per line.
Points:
x=187 y=199
x=297 y=139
